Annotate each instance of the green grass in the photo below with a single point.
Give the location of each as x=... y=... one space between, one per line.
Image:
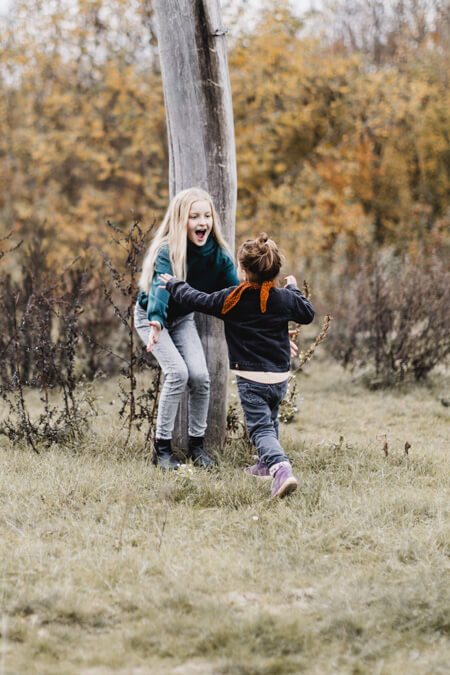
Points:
x=108 y=566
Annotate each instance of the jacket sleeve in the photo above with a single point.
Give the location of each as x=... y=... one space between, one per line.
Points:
x=228 y=276
x=302 y=310
x=158 y=298
x=197 y=301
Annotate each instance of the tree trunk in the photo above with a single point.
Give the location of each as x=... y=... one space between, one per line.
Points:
x=197 y=95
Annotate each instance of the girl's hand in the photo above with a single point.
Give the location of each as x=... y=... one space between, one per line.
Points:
x=290 y=279
x=293 y=335
x=164 y=278
x=294 y=349
x=155 y=332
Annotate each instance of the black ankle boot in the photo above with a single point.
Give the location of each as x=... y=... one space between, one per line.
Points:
x=198 y=454
x=163 y=456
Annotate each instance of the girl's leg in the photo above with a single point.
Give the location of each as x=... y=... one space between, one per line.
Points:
x=260 y=403
x=277 y=399
x=186 y=338
x=174 y=370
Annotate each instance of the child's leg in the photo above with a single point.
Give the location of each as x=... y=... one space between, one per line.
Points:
x=175 y=374
x=260 y=403
x=186 y=338
x=274 y=415
x=260 y=470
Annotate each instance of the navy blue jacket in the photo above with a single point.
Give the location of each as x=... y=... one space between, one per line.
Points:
x=256 y=341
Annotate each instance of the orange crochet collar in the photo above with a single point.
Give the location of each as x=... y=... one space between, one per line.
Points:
x=235 y=295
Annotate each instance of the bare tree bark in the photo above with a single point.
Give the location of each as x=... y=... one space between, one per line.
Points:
x=197 y=95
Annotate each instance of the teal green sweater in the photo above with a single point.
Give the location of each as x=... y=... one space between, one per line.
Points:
x=209 y=269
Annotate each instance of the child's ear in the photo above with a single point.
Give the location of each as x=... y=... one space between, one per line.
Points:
x=242 y=276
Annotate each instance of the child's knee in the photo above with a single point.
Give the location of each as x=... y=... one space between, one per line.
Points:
x=262 y=435
x=199 y=380
x=177 y=377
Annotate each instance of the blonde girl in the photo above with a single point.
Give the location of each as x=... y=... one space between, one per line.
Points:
x=188 y=244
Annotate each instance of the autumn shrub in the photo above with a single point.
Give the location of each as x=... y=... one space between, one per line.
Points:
x=38 y=356
x=59 y=330
x=49 y=305
x=393 y=319
x=136 y=409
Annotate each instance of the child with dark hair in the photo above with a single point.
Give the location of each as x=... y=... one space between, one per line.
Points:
x=256 y=315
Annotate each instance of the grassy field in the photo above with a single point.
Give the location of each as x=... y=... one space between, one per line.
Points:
x=107 y=566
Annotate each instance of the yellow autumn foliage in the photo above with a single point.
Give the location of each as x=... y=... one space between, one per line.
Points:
x=333 y=153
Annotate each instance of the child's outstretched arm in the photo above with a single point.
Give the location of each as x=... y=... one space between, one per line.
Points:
x=301 y=308
x=196 y=301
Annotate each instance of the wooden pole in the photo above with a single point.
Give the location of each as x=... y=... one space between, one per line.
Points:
x=200 y=130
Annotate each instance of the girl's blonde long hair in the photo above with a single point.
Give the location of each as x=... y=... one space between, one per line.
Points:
x=173 y=232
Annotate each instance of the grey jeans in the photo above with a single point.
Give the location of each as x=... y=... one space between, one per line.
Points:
x=180 y=354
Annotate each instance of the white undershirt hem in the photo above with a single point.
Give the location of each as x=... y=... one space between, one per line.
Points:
x=261 y=376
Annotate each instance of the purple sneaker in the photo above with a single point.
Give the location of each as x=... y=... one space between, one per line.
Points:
x=259 y=470
x=284 y=480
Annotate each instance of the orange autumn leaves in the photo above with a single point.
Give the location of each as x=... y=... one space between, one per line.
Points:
x=333 y=154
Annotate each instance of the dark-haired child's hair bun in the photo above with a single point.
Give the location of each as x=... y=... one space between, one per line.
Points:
x=260 y=258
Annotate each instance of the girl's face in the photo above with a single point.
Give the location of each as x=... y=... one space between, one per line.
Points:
x=200 y=222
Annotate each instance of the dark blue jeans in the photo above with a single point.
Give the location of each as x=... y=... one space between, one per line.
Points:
x=261 y=403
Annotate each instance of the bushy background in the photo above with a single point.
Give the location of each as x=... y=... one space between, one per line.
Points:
x=342 y=123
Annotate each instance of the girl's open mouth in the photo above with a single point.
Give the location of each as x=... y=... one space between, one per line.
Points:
x=200 y=234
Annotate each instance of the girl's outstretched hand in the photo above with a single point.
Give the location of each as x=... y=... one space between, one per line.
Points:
x=293 y=334
x=290 y=279
x=293 y=348
x=155 y=332
x=164 y=278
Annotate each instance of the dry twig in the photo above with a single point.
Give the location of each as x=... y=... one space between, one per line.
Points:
x=305 y=356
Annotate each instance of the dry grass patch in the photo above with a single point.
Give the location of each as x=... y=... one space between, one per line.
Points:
x=109 y=566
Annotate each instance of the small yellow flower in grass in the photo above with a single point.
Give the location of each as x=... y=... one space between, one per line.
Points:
x=185 y=471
